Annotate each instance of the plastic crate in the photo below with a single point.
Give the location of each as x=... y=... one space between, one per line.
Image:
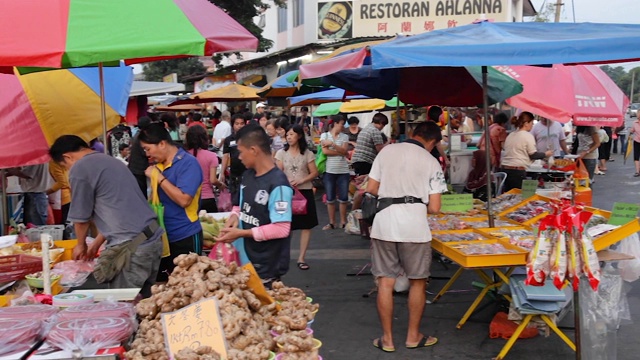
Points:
x=15 y=267
x=56 y=232
x=519 y=257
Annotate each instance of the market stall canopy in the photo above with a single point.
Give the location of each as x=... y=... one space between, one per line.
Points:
x=518 y=43
x=582 y=93
x=154 y=87
x=75 y=33
x=185 y=107
x=289 y=85
x=427 y=85
x=36 y=109
x=353 y=106
x=323 y=97
x=231 y=92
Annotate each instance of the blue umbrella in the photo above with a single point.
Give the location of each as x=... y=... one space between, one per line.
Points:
x=322 y=97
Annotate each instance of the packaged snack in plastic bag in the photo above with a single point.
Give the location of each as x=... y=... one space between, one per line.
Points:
x=590 y=265
x=18 y=334
x=559 y=265
x=28 y=312
x=574 y=265
x=91 y=334
x=107 y=308
x=538 y=262
x=74 y=272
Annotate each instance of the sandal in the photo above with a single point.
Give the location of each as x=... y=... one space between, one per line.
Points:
x=303 y=266
x=636 y=174
x=424 y=342
x=378 y=345
x=329 y=227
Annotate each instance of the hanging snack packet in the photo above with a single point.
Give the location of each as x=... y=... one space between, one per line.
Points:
x=537 y=266
x=591 y=266
x=559 y=266
x=574 y=264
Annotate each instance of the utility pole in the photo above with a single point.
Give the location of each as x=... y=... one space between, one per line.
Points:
x=558 y=9
x=633 y=80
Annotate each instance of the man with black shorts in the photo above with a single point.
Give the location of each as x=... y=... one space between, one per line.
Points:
x=406 y=192
x=369 y=144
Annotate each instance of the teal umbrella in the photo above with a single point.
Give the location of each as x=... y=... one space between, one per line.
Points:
x=289 y=85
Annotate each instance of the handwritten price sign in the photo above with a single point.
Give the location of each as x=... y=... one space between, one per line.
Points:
x=193 y=326
x=623 y=213
x=454 y=203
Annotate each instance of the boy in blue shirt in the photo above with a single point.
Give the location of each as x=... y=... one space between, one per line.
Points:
x=261 y=221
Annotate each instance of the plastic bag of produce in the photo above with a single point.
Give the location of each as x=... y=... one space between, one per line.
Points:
x=225 y=252
x=89 y=335
x=224 y=201
x=353 y=222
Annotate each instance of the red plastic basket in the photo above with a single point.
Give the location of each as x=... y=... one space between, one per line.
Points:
x=15 y=267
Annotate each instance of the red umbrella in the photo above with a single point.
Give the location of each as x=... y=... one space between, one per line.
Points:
x=582 y=93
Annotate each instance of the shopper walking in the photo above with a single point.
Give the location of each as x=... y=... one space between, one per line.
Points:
x=336 y=177
x=298 y=163
x=179 y=180
x=588 y=143
x=197 y=144
x=635 y=137
x=406 y=193
x=231 y=159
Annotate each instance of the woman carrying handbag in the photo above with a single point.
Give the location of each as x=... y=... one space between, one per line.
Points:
x=299 y=164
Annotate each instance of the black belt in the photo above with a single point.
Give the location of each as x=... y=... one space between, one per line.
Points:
x=384 y=203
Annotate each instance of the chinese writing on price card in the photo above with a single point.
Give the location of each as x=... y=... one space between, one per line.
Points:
x=456 y=203
x=193 y=326
x=623 y=213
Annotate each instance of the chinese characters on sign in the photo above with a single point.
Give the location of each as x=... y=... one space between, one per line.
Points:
x=344 y=19
x=193 y=326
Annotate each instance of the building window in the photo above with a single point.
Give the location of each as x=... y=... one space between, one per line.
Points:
x=298 y=12
x=282 y=19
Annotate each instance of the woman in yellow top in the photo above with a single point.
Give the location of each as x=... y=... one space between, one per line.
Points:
x=61 y=177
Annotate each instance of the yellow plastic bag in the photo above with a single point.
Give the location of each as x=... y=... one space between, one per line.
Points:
x=256 y=285
x=158 y=208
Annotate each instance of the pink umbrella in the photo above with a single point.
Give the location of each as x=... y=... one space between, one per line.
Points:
x=582 y=93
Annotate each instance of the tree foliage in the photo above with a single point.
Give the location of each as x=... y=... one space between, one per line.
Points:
x=546 y=13
x=154 y=71
x=243 y=11
x=622 y=78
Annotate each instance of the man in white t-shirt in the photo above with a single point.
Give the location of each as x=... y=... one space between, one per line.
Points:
x=222 y=131
x=550 y=135
x=408 y=179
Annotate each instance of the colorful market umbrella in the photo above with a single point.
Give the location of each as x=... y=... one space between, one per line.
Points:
x=289 y=85
x=37 y=108
x=349 y=107
x=427 y=85
x=582 y=93
x=75 y=33
x=322 y=97
x=231 y=92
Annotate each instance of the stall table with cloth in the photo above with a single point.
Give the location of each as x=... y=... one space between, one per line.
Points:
x=494 y=253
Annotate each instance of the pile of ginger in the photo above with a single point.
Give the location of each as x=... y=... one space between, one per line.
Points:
x=244 y=317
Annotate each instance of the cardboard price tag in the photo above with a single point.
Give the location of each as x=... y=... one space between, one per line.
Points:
x=193 y=326
x=452 y=203
x=623 y=213
x=529 y=188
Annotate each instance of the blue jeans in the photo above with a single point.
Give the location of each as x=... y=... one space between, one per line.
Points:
x=36 y=208
x=336 y=183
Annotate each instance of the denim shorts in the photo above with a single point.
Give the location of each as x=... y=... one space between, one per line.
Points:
x=336 y=183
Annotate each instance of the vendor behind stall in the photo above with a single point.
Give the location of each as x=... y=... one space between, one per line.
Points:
x=105 y=191
x=520 y=150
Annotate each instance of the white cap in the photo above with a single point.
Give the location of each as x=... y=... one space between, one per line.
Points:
x=261 y=105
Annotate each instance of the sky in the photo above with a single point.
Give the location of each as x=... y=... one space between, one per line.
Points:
x=601 y=11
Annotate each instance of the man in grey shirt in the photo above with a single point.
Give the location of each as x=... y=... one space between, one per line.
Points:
x=104 y=191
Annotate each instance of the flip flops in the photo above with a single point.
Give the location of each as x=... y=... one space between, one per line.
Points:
x=377 y=343
x=424 y=342
x=303 y=266
x=329 y=227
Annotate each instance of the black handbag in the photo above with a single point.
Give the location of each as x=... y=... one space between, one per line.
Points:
x=369 y=207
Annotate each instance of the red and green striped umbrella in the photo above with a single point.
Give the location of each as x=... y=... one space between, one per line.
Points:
x=75 y=33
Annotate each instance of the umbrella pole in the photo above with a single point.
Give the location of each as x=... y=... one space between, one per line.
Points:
x=5 y=205
x=487 y=141
x=103 y=109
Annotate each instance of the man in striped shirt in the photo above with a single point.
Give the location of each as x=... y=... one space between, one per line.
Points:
x=369 y=144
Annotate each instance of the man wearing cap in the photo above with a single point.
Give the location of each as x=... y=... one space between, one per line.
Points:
x=259 y=112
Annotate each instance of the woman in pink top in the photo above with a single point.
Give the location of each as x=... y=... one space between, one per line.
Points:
x=197 y=144
x=498 y=135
